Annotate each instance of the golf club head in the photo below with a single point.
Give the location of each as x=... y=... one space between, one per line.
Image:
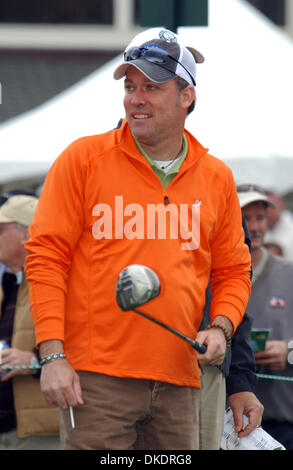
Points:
x=136 y=285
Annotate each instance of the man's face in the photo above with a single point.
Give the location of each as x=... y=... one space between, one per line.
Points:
x=256 y=220
x=11 y=244
x=154 y=111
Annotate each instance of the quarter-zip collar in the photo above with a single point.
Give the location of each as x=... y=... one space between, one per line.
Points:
x=166 y=178
x=127 y=143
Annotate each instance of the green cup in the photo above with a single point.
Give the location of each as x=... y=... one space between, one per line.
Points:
x=258 y=339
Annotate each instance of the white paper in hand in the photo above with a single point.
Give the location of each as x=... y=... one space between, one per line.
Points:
x=256 y=440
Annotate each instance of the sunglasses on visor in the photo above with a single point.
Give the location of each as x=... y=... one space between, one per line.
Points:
x=154 y=54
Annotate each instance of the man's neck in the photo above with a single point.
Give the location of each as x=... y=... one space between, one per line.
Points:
x=163 y=151
x=256 y=256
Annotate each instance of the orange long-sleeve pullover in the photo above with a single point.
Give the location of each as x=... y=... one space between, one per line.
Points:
x=103 y=208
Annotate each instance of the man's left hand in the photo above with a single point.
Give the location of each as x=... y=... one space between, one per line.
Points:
x=245 y=403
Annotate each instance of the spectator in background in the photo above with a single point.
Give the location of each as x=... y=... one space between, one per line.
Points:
x=280 y=226
x=26 y=421
x=270 y=306
x=3 y=198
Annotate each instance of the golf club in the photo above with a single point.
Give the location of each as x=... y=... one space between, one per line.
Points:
x=136 y=285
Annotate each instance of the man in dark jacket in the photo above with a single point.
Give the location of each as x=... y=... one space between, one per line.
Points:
x=234 y=380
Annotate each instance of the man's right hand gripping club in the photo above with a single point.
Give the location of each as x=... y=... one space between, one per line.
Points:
x=215 y=340
x=59 y=381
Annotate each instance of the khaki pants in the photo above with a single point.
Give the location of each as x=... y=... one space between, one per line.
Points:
x=212 y=408
x=124 y=414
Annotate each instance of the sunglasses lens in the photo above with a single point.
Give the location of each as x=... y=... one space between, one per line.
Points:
x=152 y=55
x=156 y=56
x=132 y=54
x=155 y=60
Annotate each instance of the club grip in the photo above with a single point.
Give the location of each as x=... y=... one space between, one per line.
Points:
x=201 y=348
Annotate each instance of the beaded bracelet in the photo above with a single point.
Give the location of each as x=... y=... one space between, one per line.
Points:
x=52 y=357
x=225 y=331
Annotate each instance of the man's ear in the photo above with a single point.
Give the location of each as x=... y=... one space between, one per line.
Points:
x=25 y=236
x=187 y=96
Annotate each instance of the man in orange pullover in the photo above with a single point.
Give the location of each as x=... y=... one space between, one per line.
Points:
x=147 y=193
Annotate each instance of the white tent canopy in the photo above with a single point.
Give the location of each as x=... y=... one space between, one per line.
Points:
x=243 y=112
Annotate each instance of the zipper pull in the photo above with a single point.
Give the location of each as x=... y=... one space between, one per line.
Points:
x=166 y=200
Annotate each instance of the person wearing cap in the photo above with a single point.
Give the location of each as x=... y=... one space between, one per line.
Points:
x=280 y=226
x=26 y=420
x=147 y=193
x=270 y=306
x=3 y=198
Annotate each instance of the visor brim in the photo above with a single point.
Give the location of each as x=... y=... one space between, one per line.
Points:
x=156 y=73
